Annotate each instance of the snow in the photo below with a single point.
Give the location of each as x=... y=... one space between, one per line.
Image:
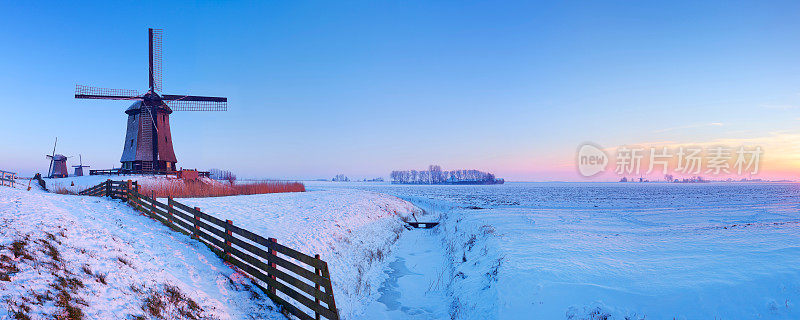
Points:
x=513 y=251
x=354 y=231
x=63 y=233
x=612 y=251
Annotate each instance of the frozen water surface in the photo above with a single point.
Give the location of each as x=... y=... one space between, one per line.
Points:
x=414 y=288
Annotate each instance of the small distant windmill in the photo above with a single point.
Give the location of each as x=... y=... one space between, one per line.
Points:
x=58 y=164
x=79 y=168
x=148 y=140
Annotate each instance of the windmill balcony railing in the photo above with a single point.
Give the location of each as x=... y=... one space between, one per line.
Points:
x=117 y=172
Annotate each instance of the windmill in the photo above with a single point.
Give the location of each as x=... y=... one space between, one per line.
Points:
x=148 y=141
x=58 y=164
x=79 y=168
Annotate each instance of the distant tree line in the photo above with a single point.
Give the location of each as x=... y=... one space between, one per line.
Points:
x=435 y=175
x=223 y=175
x=340 y=178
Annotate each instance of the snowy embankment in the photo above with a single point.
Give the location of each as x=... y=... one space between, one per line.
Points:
x=352 y=230
x=70 y=255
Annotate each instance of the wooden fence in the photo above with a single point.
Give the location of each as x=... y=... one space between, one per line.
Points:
x=7 y=178
x=301 y=284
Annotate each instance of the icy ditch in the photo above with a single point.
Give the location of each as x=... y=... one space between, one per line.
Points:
x=69 y=255
x=460 y=269
x=354 y=231
x=416 y=286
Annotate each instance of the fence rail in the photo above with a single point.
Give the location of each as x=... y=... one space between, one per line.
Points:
x=7 y=178
x=300 y=283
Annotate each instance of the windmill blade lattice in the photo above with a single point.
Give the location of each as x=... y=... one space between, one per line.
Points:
x=156 y=37
x=88 y=92
x=195 y=103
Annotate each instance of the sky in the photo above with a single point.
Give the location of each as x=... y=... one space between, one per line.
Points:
x=365 y=87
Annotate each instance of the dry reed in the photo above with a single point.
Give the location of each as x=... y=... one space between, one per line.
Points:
x=61 y=189
x=201 y=189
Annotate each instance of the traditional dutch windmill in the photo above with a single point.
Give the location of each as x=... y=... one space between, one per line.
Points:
x=148 y=142
x=79 y=168
x=58 y=164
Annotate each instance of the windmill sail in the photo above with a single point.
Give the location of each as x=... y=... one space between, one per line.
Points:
x=87 y=92
x=156 y=36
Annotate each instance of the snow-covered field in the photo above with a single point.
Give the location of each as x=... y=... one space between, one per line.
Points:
x=513 y=251
x=613 y=251
x=67 y=254
x=354 y=231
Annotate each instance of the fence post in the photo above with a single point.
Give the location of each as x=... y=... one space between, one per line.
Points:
x=108 y=188
x=272 y=253
x=169 y=211
x=153 y=202
x=196 y=229
x=318 y=272
x=229 y=232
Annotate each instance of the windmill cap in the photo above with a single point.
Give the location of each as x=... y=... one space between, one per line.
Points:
x=136 y=107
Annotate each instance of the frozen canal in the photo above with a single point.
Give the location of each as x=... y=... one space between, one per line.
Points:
x=415 y=288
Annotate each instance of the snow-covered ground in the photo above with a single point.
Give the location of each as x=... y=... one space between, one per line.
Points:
x=614 y=251
x=513 y=251
x=354 y=231
x=67 y=254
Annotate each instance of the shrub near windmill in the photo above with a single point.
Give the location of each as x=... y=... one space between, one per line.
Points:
x=148 y=140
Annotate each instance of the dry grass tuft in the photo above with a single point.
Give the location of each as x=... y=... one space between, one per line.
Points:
x=70 y=306
x=51 y=251
x=61 y=189
x=125 y=261
x=101 y=277
x=18 y=248
x=201 y=189
x=170 y=303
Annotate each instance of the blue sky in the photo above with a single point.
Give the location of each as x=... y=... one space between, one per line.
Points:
x=362 y=88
